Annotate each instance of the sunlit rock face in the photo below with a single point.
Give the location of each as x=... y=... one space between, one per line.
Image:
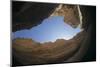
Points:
x=53 y=41
x=31 y=52
x=70 y=13
x=51 y=29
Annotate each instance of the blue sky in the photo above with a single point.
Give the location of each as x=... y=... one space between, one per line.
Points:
x=50 y=29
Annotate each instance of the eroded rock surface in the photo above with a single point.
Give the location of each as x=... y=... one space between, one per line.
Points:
x=49 y=52
x=31 y=14
x=70 y=13
x=23 y=51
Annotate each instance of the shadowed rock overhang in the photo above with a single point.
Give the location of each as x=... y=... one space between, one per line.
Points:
x=31 y=14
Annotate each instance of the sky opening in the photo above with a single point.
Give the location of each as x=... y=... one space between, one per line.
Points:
x=50 y=29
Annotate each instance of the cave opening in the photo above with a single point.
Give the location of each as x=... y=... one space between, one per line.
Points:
x=45 y=41
x=51 y=29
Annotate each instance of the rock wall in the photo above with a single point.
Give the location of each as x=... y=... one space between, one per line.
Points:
x=25 y=18
x=70 y=13
x=27 y=14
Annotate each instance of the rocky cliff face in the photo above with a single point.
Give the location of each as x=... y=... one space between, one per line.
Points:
x=70 y=13
x=49 y=52
x=31 y=14
x=25 y=51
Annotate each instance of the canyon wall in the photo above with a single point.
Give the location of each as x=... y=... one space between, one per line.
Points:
x=31 y=14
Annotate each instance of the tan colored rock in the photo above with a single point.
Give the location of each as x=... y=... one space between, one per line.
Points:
x=31 y=52
x=70 y=13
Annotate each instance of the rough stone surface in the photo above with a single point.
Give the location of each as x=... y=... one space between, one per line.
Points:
x=70 y=13
x=49 y=52
x=23 y=19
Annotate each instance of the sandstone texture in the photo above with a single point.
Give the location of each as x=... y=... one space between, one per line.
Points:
x=31 y=52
